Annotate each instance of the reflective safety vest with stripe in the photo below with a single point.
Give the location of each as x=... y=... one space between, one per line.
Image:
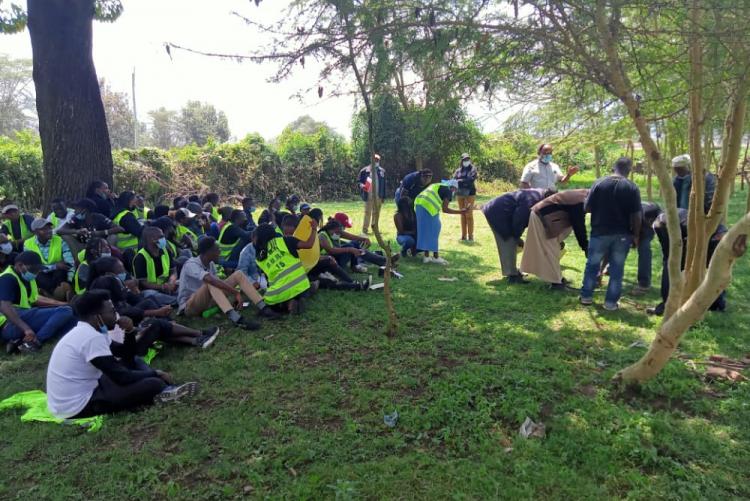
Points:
x=226 y=249
x=286 y=275
x=181 y=230
x=140 y=214
x=26 y=300
x=124 y=240
x=429 y=199
x=55 y=253
x=215 y=214
x=78 y=287
x=328 y=240
x=151 y=267
x=25 y=231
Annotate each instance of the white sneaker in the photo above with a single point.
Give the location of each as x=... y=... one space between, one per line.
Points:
x=327 y=275
x=427 y=260
x=360 y=268
x=440 y=260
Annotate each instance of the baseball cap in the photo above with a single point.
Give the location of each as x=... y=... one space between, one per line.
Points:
x=194 y=208
x=39 y=223
x=464 y=156
x=342 y=218
x=9 y=207
x=681 y=161
x=304 y=206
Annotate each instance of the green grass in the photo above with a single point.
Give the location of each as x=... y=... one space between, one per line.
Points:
x=296 y=410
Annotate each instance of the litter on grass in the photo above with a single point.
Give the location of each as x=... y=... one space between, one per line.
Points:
x=448 y=279
x=391 y=419
x=531 y=429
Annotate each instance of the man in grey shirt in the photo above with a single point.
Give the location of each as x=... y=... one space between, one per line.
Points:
x=543 y=173
x=200 y=289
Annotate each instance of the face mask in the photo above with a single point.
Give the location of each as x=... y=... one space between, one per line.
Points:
x=377 y=164
x=80 y=217
x=252 y=209
x=161 y=243
x=546 y=158
x=102 y=195
x=105 y=254
x=295 y=208
x=335 y=237
x=28 y=276
x=102 y=328
x=466 y=163
x=6 y=248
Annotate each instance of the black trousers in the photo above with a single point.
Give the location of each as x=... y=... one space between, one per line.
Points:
x=110 y=397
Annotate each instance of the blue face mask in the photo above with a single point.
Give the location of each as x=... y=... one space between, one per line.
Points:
x=80 y=217
x=122 y=276
x=252 y=209
x=28 y=276
x=161 y=243
x=103 y=328
x=546 y=158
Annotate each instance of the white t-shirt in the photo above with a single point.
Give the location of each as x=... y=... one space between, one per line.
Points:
x=540 y=175
x=61 y=221
x=71 y=378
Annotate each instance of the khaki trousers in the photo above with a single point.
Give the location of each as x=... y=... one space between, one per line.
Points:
x=208 y=295
x=467 y=218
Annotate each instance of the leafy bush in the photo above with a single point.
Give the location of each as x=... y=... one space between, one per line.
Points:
x=21 y=177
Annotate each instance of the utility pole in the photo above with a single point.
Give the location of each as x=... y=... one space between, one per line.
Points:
x=135 y=113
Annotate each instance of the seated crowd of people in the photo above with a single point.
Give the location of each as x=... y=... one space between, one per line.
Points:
x=109 y=276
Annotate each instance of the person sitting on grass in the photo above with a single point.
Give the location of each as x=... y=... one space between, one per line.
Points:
x=109 y=273
x=233 y=238
x=347 y=256
x=327 y=271
x=95 y=248
x=60 y=214
x=271 y=215
x=85 y=224
x=127 y=240
x=405 y=220
x=16 y=226
x=27 y=319
x=89 y=374
x=185 y=237
x=278 y=258
x=248 y=207
x=54 y=280
x=357 y=242
x=154 y=268
x=201 y=288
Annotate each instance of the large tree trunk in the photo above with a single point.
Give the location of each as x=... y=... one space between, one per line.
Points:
x=72 y=126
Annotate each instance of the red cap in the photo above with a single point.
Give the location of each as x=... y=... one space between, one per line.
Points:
x=343 y=219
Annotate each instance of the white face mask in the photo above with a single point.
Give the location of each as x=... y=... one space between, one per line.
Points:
x=6 y=248
x=466 y=163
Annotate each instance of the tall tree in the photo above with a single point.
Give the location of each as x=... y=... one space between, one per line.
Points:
x=165 y=131
x=201 y=121
x=72 y=125
x=16 y=96
x=120 y=119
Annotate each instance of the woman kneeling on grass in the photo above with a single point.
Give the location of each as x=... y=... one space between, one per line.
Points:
x=428 y=206
x=277 y=257
x=89 y=374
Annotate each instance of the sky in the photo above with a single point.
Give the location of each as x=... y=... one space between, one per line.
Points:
x=241 y=90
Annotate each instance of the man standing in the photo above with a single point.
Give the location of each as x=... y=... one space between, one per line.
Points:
x=365 y=186
x=543 y=173
x=683 y=183
x=615 y=206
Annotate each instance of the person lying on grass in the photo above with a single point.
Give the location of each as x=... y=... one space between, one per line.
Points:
x=201 y=288
x=89 y=374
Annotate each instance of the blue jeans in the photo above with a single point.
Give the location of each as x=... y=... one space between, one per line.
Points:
x=644 y=259
x=45 y=322
x=617 y=247
x=407 y=242
x=161 y=298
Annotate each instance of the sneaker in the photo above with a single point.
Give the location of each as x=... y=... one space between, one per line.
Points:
x=611 y=306
x=557 y=287
x=207 y=338
x=427 y=260
x=30 y=347
x=586 y=301
x=639 y=290
x=440 y=260
x=517 y=279
x=269 y=314
x=360 y=268
x=327 y=276
x=174 y=393
x=248 y=325
x=365 y=285
x=657 y=310
x=12 y=346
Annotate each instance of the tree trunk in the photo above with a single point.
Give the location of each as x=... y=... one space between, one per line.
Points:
x=598 y=161
x=72 y=126
x=732 y=246
x=649 y=180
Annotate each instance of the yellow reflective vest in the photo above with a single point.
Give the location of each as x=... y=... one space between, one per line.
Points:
x=26 y=299
x=287 y=278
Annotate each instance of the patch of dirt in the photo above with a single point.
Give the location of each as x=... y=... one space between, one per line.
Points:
x=315 y=359
x=330 y=423
x=450 y=363
x=588 y=390
x=144 y=434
